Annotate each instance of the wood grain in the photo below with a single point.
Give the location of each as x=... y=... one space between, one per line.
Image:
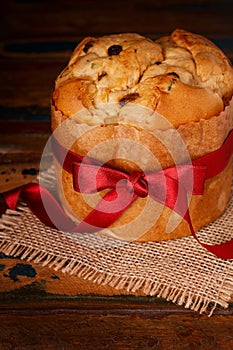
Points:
x=36 y=40
x=26 y=19
x=21 y=148
x=110 y=324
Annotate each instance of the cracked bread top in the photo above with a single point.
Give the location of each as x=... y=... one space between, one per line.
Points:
x=131 y=80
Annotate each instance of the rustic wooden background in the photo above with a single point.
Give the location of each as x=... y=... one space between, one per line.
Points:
x=36 y=40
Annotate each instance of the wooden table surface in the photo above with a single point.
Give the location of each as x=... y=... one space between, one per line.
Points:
x=37 y=38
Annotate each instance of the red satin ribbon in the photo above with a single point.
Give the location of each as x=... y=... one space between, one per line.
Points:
x=169 y=187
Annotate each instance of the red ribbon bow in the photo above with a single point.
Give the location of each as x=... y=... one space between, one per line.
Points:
x=169 y=187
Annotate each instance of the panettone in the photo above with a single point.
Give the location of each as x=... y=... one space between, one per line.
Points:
x=142 y=105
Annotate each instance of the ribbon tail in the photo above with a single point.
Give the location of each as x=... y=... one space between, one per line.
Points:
x=46 y=208
x=176 y=200
x=223 y=250
x=35 y=196
x=11 y=197
x=101 y=216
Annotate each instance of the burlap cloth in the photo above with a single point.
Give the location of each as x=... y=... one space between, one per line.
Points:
x=180 y=270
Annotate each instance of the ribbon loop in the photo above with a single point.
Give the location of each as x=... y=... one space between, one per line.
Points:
x=139 y=183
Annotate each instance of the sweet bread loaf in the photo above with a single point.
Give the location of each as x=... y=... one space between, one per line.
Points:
x=142 y=105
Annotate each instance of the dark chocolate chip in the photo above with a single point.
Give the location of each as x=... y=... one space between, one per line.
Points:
x=114 y=50
x=174 y=74
x=103 y=74
x=171 y=84
x=158 y=63
x=128 y=98
x=88 y=46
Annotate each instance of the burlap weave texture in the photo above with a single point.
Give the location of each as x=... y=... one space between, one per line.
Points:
x=180 y=270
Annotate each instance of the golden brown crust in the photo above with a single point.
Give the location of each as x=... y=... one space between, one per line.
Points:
x=127 y=68
x=212 y=66
x=132 y=110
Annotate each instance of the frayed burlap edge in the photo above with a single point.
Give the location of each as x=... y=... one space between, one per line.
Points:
x=10 y=244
